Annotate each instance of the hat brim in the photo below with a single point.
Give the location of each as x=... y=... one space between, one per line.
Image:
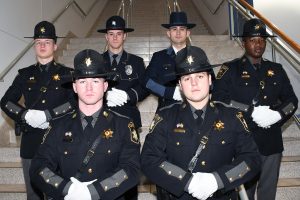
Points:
x=264 y=36
x=189 y=26
x=126 y=30
x=71 y=77
x=198 y=69
x=45 y=37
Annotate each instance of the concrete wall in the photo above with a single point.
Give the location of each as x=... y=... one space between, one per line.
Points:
x=18 y=18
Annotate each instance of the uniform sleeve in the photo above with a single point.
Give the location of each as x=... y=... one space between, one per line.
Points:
x=138 y=92
x=287 y=98
x=152 y=79
x=10 y=101
x=155 y=164
x=44 y=166
x=126 y=174
x=246 y=163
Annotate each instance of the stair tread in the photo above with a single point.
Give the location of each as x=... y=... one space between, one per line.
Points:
x=10 y=165
x=12 y=188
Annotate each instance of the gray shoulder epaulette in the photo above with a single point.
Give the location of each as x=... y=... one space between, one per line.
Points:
x=170 y=106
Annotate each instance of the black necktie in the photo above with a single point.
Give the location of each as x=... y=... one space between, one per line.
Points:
x=256 y=66
x=114 y=62
x=89 y=128
x=199 y=118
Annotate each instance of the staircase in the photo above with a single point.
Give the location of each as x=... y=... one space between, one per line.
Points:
x=148 y=38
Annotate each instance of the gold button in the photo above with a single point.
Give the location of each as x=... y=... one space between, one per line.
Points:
x=169 y=172
x=203 y=147
x=105 y=188
x=246 y=83
x=56 y=88
x=90 y=170
x=65 y=152
x=177 y=143
x=230 y=179
x=180 y=177
x=17 y=112
x=43 y=101
x=108 y=151
x=240 y=175
x=56 y=185
x=223 y=142
x=162 y=165
x=248 y=168
x=41 y=173
x=125 y=177
x=56 y=113
x=117 y=184
x=29 y=89
x=275 y=83
x=47 y=180
x=203 y=163
x=265 y=97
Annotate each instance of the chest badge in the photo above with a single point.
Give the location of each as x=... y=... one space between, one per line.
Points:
x=134 y=136
x=56 y=77
x=68 y=137
x=179 y=128
x=128 y=70
x=270 y=73
x=219 y=125
x=107 y=134
x=31 y=79
x=245 y=75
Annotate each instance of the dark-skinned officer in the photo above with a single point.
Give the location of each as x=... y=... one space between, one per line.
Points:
x=44 y=98
x=92 y=153
x=123 y=96
x=204 y=150
x=157 y=77
x=262 y=90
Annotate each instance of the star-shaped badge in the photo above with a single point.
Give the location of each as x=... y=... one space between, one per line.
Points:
x=257 y=26
x=88 y=62
x=43 y=30
x=190 y=59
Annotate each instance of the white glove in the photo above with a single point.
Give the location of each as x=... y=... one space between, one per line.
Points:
x=44 y=125
x=177 y=94
x=264 y=117
x=116 y=97
x=202 y=185
x=35 y=118
x=79 y=190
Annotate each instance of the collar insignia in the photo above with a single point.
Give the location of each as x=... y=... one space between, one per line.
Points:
x=219 y=125
x=270 y=73
x=43 y=30
x=88 y=62
x=107 y=134
x=190 y=60
x=56 y=77
x=154 y=122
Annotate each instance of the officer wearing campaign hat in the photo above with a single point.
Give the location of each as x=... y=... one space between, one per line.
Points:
x=46 y=30
x=92 y=153
x=45 y=99
x=262 y=90
x=157 y=77
x=184 y=154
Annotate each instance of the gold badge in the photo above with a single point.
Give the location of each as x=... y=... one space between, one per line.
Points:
x=245 y=74
x=190 y=60
x=179 y=128
x=88 y=61
x=134 y=135
x=179 y=125
x=105 y=114
x=56 y=77
x=43 y=30
x=257 y=26
x=107 y=134
x=222 y=71
x=240 y=116
x=154 y=122
x=270 y=73
x=219 y=125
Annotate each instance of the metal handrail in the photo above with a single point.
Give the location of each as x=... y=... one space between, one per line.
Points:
x=287 y=53
x=216 y=10
x=26 y=49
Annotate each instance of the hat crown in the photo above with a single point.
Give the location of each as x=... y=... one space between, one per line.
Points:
x=178 y=18
x=45 y=29
x=191 y=59
x=115 y=22
x=89 y=63
x=254 y=28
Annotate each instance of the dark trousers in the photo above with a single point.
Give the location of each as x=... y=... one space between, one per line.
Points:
x=265 y=183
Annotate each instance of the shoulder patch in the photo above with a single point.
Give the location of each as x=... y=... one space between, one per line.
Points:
x=222 y=71
x=133 y=134
x=154 y=122
x=240 y=116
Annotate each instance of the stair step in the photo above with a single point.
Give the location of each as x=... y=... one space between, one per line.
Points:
x=12 y=188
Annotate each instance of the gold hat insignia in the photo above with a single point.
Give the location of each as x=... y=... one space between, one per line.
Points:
x=43 y=30
x=88 y=61
x=257 y=26
x=190 y=59
x=113 y=23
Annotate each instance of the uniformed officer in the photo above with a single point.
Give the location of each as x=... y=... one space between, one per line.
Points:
x=124 y=95
x=92 y=153
x=262 y=90
x=44 y=97
x=157 y=77
x=204 y=150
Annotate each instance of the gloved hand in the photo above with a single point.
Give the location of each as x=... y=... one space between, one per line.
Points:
x=79 y=190
x=116 y=97
x=177 y=94
x=35 y=118
x=264 y=117
x=202 y=185
x=44 y=125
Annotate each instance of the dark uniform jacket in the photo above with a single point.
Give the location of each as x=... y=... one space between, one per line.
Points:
x=42 y=90
x=130 y=69
x=158 y=77
x=240 y=85
x=172 y=142
x=115 y=163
